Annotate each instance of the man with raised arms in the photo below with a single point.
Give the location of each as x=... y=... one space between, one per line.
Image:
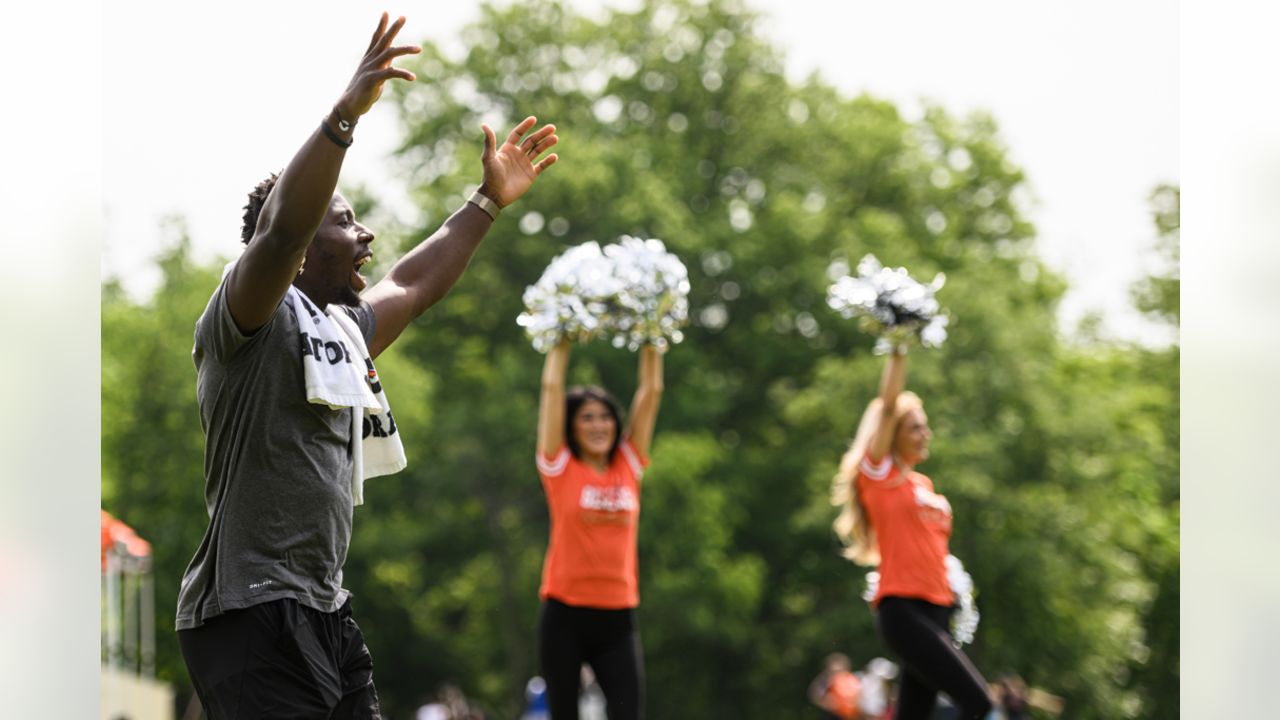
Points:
x=295 y=417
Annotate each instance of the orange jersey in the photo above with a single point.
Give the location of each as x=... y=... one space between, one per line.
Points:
x=912 y=525
x=591 y=557
x=842 y=695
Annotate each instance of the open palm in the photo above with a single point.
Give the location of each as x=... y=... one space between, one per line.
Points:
x=375 y=69
x=511 y=168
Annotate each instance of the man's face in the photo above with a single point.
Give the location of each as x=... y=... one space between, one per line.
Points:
x=339 y=249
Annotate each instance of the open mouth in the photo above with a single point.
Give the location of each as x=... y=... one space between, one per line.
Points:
x=357 y=280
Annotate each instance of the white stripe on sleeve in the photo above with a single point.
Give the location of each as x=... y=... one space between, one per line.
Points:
x=556 y=465
x=876 y=471
x=630 y=454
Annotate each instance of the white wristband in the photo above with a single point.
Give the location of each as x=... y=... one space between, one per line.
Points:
x=489 y=207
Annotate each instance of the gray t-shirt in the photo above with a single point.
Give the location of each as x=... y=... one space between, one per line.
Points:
x=277 y=469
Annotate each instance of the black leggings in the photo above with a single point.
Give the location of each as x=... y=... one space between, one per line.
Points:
x=917 y=631
x=608 y=641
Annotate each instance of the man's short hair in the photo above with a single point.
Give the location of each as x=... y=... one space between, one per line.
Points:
x=253 y=208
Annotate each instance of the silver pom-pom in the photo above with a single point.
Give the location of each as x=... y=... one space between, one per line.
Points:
x=873 y=586
x=890 y=304
x=632 y=292
x=964 y=621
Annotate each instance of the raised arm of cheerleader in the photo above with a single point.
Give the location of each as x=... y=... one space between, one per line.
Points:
x=892 y=381
x=551 y=403
x=644 y=406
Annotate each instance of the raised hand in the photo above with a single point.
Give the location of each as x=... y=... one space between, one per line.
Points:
x=375 y=68
x=511 y=168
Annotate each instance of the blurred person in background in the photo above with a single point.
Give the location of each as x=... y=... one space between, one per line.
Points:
x=535 y=700
x=1011 y=694
x=892 y=517
x=836 y=689
x=877 y=689
x=449 y=704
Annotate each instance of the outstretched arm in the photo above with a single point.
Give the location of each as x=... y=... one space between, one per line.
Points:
x=551 y=404
x=892 y=381
x=644 y=406
x=424 y=275
x=298 y=202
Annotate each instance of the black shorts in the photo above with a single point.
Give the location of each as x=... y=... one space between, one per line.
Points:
x=281 y=660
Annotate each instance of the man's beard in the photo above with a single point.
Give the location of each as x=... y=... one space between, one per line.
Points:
x=349 y=297
x=332 y=295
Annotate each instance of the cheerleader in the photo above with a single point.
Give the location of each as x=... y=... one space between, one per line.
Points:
x=590 y=465
x=892 y=517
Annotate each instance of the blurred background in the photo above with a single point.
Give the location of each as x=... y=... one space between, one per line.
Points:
x=1054 y=402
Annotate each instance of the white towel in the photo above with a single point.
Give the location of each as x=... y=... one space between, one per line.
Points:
x=339 y=373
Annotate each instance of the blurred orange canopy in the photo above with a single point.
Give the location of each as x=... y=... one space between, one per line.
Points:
x=116 y=534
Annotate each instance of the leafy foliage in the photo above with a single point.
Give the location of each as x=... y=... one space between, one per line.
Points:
x=152 y=445
x=1158 y=295
x=677 y=123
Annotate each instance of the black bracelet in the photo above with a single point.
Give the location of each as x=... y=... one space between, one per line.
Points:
x=329 y=133
x=343 y=125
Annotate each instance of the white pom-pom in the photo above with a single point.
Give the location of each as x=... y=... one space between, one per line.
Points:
x=632 y=292
x=890 y=304
x=964 y=621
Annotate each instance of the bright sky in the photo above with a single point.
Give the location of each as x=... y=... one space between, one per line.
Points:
x=155 y=130
x=1085 y=94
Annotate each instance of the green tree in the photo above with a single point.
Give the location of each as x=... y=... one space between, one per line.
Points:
x=1156 y=675
x=152 y=445
x=1158 y=295
x=677 y=122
